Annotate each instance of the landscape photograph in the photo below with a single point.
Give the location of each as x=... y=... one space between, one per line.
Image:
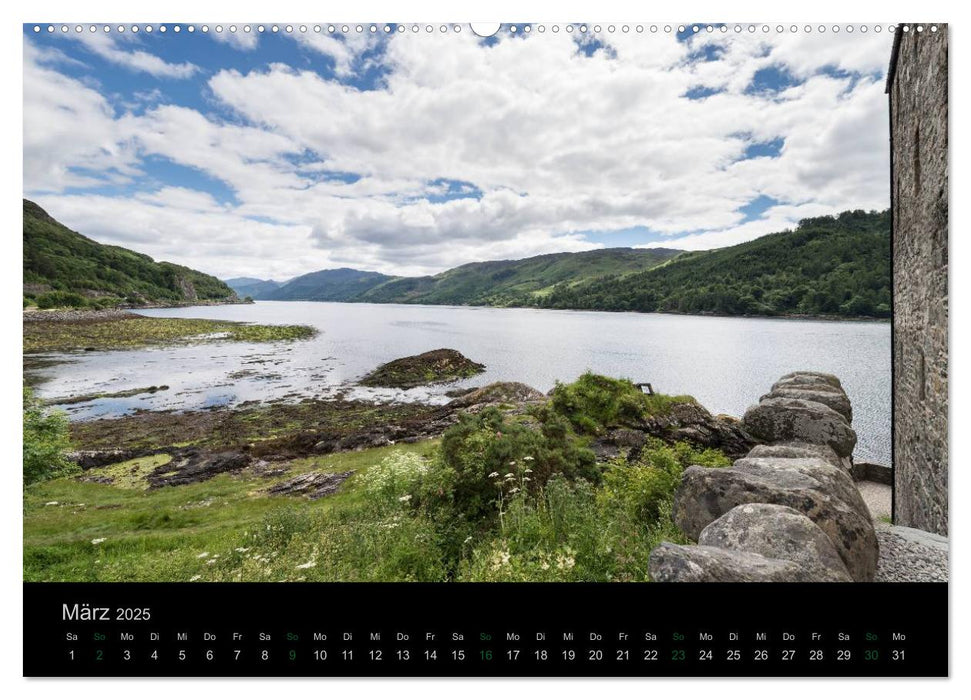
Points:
x=403 y=303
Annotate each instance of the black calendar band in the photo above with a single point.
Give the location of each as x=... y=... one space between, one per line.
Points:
x=341 y=630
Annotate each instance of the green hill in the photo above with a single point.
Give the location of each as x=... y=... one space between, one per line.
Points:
x=838 y=266
x=64 y=268
x=343 y=284
x=517 y=282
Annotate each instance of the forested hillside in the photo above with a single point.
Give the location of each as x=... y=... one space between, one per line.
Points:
x=838 y=266
x=64 y=268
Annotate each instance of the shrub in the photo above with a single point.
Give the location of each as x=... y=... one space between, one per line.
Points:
x=45 y=443
x=54 y=300
x=485 y=453
x=594 y=403
x=645 y=489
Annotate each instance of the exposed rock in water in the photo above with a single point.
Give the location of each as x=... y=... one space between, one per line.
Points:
x=777 y=532
x=432 y=367
x=788 y=420
x=498 y=393
x=191 y=465
x=671 y=563
x=813 y=487
x=313 y=485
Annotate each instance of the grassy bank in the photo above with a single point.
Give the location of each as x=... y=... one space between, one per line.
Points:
x=512 y=494
x=127 y=331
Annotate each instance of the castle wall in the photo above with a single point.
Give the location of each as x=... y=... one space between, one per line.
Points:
x=918 y=89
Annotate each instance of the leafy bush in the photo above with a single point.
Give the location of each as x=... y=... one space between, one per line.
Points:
x=481 y=448
x=645 y=489
x=55 y=300
x=594 y=403
x=45 y=443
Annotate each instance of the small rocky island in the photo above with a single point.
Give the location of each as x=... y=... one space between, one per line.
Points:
x=433 y=367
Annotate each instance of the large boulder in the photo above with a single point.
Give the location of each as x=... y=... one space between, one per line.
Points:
x=810 y=377
x=673 y=563
x=797 y=420
x=826 y=395
x=777 y=532
x=801 y=450
x=813 y=487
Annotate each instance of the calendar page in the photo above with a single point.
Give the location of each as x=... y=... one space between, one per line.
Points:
x=520 y=349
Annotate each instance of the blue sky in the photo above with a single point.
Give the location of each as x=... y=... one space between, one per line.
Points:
x=274 y=154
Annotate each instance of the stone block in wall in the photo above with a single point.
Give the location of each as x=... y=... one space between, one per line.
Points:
x=824 y=493
x=797 y=420
x=777 y=532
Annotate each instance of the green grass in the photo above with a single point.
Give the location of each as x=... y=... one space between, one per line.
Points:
x=158 y=535
x=137 y=331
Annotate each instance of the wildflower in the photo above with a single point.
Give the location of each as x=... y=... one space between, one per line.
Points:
x=528 y=471
x=526 y=478
x=98 y=540
x=210 y=562
x=405 y=498
x=195 y=578
x=307 y=565
x=512 y=463
x=510 y=475
x=51 y=503
x=202 y=556
x=493 y=475
x=513 y=490
x=242 y=549
x=527 y=459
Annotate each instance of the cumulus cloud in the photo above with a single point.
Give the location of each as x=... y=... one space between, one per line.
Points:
x=469 y=150
x=105 y=46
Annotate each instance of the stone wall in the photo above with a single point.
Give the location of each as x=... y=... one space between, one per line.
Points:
x=918 y=89
x=789 y=510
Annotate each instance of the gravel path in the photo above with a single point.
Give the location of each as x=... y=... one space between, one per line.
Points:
x=911 y=555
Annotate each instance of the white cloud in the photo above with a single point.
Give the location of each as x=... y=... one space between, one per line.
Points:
x=552 y=142
x=242 y=40
x=137 y=60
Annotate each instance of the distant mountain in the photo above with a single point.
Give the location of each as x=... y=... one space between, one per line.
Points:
x=828 y=266
x=494 y=283
x=64 y=268
x=253 y=287
x=343 y=284
x=517 y=282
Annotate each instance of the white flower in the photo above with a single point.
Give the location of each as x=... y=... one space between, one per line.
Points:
x=242 y=549
x=513 y=490
x=202 y=556
x=493 y=475
x=528 y=471
x=405 y=498
x=307 y=565
x=51 y=503
x=527 y=459
x=195 y=578
x=98 y=540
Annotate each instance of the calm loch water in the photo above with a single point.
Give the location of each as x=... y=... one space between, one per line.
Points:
x=726 y=363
